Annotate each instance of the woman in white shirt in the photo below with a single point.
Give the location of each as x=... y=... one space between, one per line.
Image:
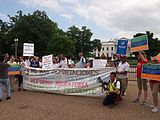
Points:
x=63 y=61
x=55 y=64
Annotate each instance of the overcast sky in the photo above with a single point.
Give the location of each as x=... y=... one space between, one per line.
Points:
x=108 y=19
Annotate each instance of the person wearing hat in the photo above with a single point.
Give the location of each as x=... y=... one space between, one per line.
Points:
x=154 y=85
x=141 y=83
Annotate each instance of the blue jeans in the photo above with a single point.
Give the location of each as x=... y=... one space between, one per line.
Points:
x=6 y=82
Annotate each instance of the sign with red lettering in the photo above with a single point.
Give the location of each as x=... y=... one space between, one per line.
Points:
x=75 y=81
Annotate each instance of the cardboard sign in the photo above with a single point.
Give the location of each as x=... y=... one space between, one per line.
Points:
x=122 y=47
x=99 y=63
x=151 y=72
x=47 y=62
x=28 y=49
x=139 y=43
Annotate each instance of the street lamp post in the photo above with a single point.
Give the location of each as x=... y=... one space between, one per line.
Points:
x=16 y=45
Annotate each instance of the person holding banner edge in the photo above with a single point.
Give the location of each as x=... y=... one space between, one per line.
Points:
x=155 y=85
x=142 y=59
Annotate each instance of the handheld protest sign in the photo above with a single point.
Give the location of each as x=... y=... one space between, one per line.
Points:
x=47 y=62
x=122 y=47
x=139 y=43
x=28 y=49
x=151 y=72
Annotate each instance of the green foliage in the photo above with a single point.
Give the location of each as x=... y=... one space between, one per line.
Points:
x=37 y=28
x=82 y=39
x=62 y=45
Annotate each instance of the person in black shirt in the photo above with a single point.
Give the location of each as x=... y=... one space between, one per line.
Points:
x=4 y=78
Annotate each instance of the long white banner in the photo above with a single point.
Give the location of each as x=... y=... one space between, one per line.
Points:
x=73 y=81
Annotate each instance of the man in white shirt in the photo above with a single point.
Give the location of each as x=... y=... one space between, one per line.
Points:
x=55 y=64
x=63 y=61
x=122 y=70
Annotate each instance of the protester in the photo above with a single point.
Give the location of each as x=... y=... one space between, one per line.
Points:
x=142 y=59
x=82 y=62
x=116 y=60
x=63 y=61
x=89 y=63
x=70 y=62
x=122 y=70
x=154 y=85
x=27 y=61
x=112 y=92
x=34 y=62
x=6 y=58
x=103 y=56
x=55 y=64
x=20 y=78
x=12 y=62
x=4 y=78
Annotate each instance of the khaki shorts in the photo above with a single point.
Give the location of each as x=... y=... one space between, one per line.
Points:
x=123 y=82
x=142 y=82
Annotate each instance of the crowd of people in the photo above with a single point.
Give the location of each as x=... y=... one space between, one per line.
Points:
x=118 y=82
x=115 y=88
x=7 y=61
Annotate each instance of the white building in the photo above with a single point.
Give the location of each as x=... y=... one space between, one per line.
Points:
x=109 y=48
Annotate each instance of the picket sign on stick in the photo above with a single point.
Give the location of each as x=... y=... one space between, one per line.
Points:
x=139 y=43
x=122 y=47
x=151 y=72
x=28 y=49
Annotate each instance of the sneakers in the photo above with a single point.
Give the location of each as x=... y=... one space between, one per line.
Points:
x=142 y=103
x=8 y=97
x=111 y=106
x=136 y=101
x=155 y=109
x=151 y=107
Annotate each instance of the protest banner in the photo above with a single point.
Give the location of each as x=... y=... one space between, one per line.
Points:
x=122 y=47
x=151 y=72
x=47 y=62
x=139 y=43
x=14 y=70
x=73 y=81
x=28 y=49
x=99 y=63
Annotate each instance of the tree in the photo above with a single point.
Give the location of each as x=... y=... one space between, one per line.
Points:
x=154 y=43
x=37 y=28
x=3 y=36
x=97 y=44
x=34 y=28
x=82 y=39
x=63 y=45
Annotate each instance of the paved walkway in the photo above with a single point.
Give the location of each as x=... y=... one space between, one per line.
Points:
x=28 y=105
